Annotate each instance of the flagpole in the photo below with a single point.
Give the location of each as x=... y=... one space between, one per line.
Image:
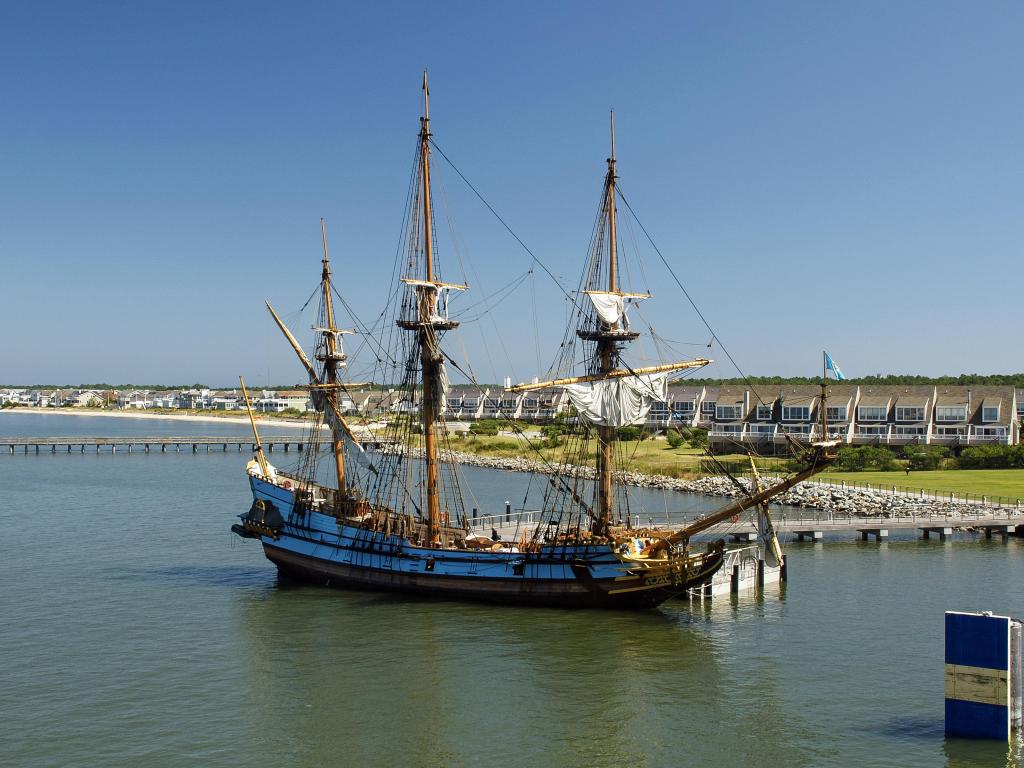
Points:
x=824 y=394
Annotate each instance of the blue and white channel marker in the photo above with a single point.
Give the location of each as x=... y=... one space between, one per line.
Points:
x=983 y=675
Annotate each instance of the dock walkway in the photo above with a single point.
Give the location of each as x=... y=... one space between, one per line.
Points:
x=814 y=526
x=196 y=443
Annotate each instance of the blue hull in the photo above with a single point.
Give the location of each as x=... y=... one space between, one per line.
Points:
x=317 y=548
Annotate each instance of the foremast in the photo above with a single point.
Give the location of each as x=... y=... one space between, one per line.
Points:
x=325 y=384
x=332 y=357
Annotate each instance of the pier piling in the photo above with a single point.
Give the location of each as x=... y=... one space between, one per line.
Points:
x=878 y=533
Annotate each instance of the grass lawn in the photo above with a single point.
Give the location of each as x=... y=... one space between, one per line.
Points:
x=990 y=482
x=653 y=457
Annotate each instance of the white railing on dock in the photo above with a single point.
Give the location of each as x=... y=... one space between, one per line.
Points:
x=508 y=524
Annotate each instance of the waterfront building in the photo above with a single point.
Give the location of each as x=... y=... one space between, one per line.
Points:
x=134 y=399
x=386 y=402
x=88 y=398
x=465 y=404
x=277 y=401
x=679 y=410
x=227 y=401
x=194 y=399
x=501 y=404
x=165 y=399
x=10 y=396
x=955 y=416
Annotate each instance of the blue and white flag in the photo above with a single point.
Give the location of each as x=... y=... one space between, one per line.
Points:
x=830 y=365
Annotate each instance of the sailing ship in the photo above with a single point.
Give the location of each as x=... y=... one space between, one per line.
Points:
x=396 y=520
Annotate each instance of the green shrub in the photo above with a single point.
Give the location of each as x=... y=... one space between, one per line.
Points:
x=698 y=437
x=552 y=441
x=675 y=440
x=629 y=433
x=924 y=458
x=993 y=457
x=864 y=458
x=498 y=445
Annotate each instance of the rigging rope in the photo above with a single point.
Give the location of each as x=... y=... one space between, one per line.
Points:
x=502 y=221
x=686 y=293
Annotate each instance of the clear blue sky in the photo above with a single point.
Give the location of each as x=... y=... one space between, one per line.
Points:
x=821 y=175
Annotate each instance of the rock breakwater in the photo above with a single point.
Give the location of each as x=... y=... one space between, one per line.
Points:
x=811 y=495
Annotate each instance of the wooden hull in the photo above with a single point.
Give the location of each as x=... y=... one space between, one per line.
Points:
x=581 y=592
x=318 y=548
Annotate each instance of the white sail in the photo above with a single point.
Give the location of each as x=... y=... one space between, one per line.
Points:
x=611 y=307
x=443 y=385
x=618 y=402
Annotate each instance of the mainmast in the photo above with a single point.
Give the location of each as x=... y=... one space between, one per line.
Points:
x=332 y=357
x=606 y=347
x=427 y=337
x=427 y=324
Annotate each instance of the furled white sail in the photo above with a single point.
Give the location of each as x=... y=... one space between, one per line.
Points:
x=443 y=386
x=320 y=402
x=618 y=402
x=610 y=307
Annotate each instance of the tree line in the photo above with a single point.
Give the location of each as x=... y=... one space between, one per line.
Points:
x=894 y=379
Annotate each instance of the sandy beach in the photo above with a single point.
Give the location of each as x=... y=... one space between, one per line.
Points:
x=260 y=420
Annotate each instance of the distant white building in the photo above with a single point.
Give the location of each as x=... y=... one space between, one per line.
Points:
x=88 y=398
x=275 y=402
x=134 y=399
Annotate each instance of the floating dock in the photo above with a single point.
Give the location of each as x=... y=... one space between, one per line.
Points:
x=744 y=570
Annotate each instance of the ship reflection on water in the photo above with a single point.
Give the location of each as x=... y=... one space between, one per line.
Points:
x=384 y=679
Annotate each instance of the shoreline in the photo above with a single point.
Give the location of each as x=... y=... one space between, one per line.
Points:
x=260 y=420
x=808 y=495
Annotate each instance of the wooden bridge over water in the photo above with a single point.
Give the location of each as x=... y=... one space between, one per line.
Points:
x=193 y=444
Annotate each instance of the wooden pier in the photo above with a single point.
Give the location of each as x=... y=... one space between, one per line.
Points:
x=1004 y=522
x=192 y=444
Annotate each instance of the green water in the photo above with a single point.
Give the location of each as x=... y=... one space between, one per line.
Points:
x=137 y=631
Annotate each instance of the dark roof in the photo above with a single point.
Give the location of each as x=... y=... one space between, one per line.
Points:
x=992 y=396
x=731 y=396
x=678 y=393
x=952 y=396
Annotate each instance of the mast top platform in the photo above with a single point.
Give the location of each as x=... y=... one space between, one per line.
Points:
x=607 y=334
x=439 y=324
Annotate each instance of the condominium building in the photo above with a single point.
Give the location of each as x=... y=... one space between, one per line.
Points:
x=769 y=417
